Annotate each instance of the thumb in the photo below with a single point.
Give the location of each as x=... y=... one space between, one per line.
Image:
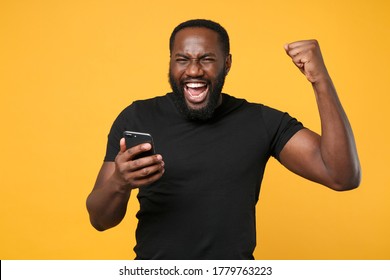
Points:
x=122 y=144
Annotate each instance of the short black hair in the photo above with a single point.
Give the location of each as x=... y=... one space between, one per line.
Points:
x=205 y=23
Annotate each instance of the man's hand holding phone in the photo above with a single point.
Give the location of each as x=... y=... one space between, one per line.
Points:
x=138 y=165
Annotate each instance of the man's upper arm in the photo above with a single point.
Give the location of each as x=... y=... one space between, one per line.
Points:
x=302 y=155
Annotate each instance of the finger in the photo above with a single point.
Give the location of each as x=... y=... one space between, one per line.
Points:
x=134 y=165
x=148 y=179
x=290 y=46
x=148 y=171
x=300 y=59
x=141 y=168
x=300 y=43
x=122 y=157
x=300 y=46
x=301 y=49
x=136 y=150
x=122 y=145
x=144 y=176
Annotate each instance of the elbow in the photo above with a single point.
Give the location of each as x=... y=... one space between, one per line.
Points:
x=98 y=227
x=348 y=183
x=344 y=187
x=96 y=224
x=94 y=218
x=101 y=224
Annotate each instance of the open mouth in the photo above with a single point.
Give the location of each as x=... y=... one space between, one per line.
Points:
x=196 y=92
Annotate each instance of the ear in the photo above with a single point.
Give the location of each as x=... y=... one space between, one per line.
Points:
x=228 y=63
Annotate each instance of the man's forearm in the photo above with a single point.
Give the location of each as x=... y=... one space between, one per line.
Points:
x=107 y=205
x=338 y=148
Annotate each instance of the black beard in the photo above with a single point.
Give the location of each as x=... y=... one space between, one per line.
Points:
x=204 y=113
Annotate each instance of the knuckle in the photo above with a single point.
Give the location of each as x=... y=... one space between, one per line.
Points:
x=136 y=163
x=120 y=168
x=314 y=44
x=145 y=172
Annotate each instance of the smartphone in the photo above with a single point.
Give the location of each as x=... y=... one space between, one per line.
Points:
x=134 y=138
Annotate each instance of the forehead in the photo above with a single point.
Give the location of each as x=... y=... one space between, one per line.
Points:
x=195 y=39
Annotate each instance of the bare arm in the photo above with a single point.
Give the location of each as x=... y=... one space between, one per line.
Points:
x=107 y=203
x=330 y=159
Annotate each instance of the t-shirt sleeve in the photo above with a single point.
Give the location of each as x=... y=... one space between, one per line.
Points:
x=280 y=127
x=114 y=136
x=132 y=118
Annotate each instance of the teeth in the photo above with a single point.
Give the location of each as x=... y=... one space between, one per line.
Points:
x=197 y=96
x=195 y=85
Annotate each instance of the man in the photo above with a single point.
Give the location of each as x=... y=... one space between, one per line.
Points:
x=198 y=195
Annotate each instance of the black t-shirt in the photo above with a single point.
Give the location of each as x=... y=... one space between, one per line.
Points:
x=204 y=205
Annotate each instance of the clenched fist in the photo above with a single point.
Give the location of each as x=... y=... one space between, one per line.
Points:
x=307 y=56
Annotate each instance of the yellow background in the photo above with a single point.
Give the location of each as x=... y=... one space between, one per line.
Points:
x=67 y=68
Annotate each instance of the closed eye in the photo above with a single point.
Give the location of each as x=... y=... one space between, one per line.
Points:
x=182 y=60
x=185 y=60
x=207 y=59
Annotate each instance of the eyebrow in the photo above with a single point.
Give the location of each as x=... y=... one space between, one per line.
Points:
x=202 y=56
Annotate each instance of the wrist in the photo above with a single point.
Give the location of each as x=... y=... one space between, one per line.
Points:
x=323 y=83
x=322 y=79
x=119 y=185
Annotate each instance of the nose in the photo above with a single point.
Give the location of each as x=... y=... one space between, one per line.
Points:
x=194 y=68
